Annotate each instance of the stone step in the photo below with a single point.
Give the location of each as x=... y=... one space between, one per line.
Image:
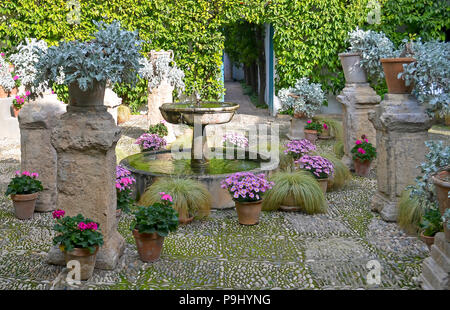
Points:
x=442 y=244
x=434 y=276
x=440 y=258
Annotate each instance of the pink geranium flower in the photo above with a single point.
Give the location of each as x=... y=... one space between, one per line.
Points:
x=309 y=121
x=58 y=213
x=361 y=151
x=358 y=142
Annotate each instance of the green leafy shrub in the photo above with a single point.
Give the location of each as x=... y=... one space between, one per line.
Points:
x=189 y=196
x=158 y=218
x=431 y=222
x=159 y=129
x=24 y=183
x=314 y=125
x=301 y=186
x=76 y=232
x=135 y=97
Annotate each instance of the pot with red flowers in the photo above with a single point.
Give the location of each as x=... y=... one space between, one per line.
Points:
x=79 y=238
x=24 y=189
x=312 y=129
x=151 y=225
x=297 y=148
x=363 y=154
x=321 y=168
x=247 y=190
x=124 y=181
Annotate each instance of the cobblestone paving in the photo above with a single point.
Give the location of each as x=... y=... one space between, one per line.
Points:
x=285 y=251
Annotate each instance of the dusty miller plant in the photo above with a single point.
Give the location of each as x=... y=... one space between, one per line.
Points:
x=160 y=69
x=437 y=158
x=372 y=46
x=6 y=80
x=112 y=56
x=25 y=60
x=430 y=74
x=304 y=97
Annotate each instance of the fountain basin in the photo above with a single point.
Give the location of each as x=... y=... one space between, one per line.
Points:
x=147 y=167
x=207 y=113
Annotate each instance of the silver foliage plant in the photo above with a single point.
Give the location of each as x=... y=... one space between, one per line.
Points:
x=372 y=46
x=113 y=56
x=160 y=69
x=25 y=60
x=304 y=97
x=430 y=74
x=6 y=80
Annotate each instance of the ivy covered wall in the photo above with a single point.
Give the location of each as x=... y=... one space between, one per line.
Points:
x=308 y=33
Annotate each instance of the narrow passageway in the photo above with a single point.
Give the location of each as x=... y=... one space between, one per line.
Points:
x=235 y=93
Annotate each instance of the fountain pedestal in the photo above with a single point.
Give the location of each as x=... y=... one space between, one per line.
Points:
x=85 y=139
x=402 y=129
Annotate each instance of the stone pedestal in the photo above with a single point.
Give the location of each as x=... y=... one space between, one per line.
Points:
x=296 y=129
x=436 y=269
x=402 y=129
x=358 y=100
x=37 y=119
x=85 y=139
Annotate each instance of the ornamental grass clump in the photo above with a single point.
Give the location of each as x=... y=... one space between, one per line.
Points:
x=76 y=232
x=190 y=198
x=246 y=186
x=124 y=181
x=151 y=142
x=298 y=148
x=320 y=167
x=410 y=212
x=300 y=187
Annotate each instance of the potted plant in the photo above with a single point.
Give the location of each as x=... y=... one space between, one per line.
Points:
x=430 y=225
x=363 y=153
x=25 y=61
x=112 y=56
x=18 y=103
x=234 y=140
x=430 y=76
x=363 y=58
x=297 y=148
x=151 y=225
x=24 y=189
x=159 y=129
x=441 y=181
x=8 y=80
x=124 y=180
x=296 y=191
x=312 y=129
x=341 y=173
x=79 y=238
x=321 y=168
x=190 y=198
x=247 y=190
x=150 y=142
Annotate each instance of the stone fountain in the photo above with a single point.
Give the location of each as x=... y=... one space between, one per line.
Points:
x=149 y=166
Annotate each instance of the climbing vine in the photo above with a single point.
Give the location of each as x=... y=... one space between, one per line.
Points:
x=308 y=33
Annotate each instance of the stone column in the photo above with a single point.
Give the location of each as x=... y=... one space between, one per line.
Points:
x=36 y=120
x=436 y=268
x=85 y=139
x=358 y=100
x=402 y=129
x=296 y=129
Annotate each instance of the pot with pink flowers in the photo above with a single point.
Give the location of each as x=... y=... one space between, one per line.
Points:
x=363 y=154
x=124 y=181
x=312 y=129
x=247 y=190
x=24 y=189
x=18 y=103
x=298 y=148
x=79 y=238
x=150 y=142
x=321 y=168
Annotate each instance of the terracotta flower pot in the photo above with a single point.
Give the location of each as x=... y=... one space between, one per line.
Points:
x=392 y=67
x=91 y=98
x=289 y=205
x=5 y=94
x=86 y=260
x=323 y=183
x=15 y=111
x=352 y=70
x=441 y=182
x=428 y=240
x=149 y=246
x=248 y=212
x=301 y=115
x=118 y=214
x=362 y=168
x=311 y=135
x=24 y=205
